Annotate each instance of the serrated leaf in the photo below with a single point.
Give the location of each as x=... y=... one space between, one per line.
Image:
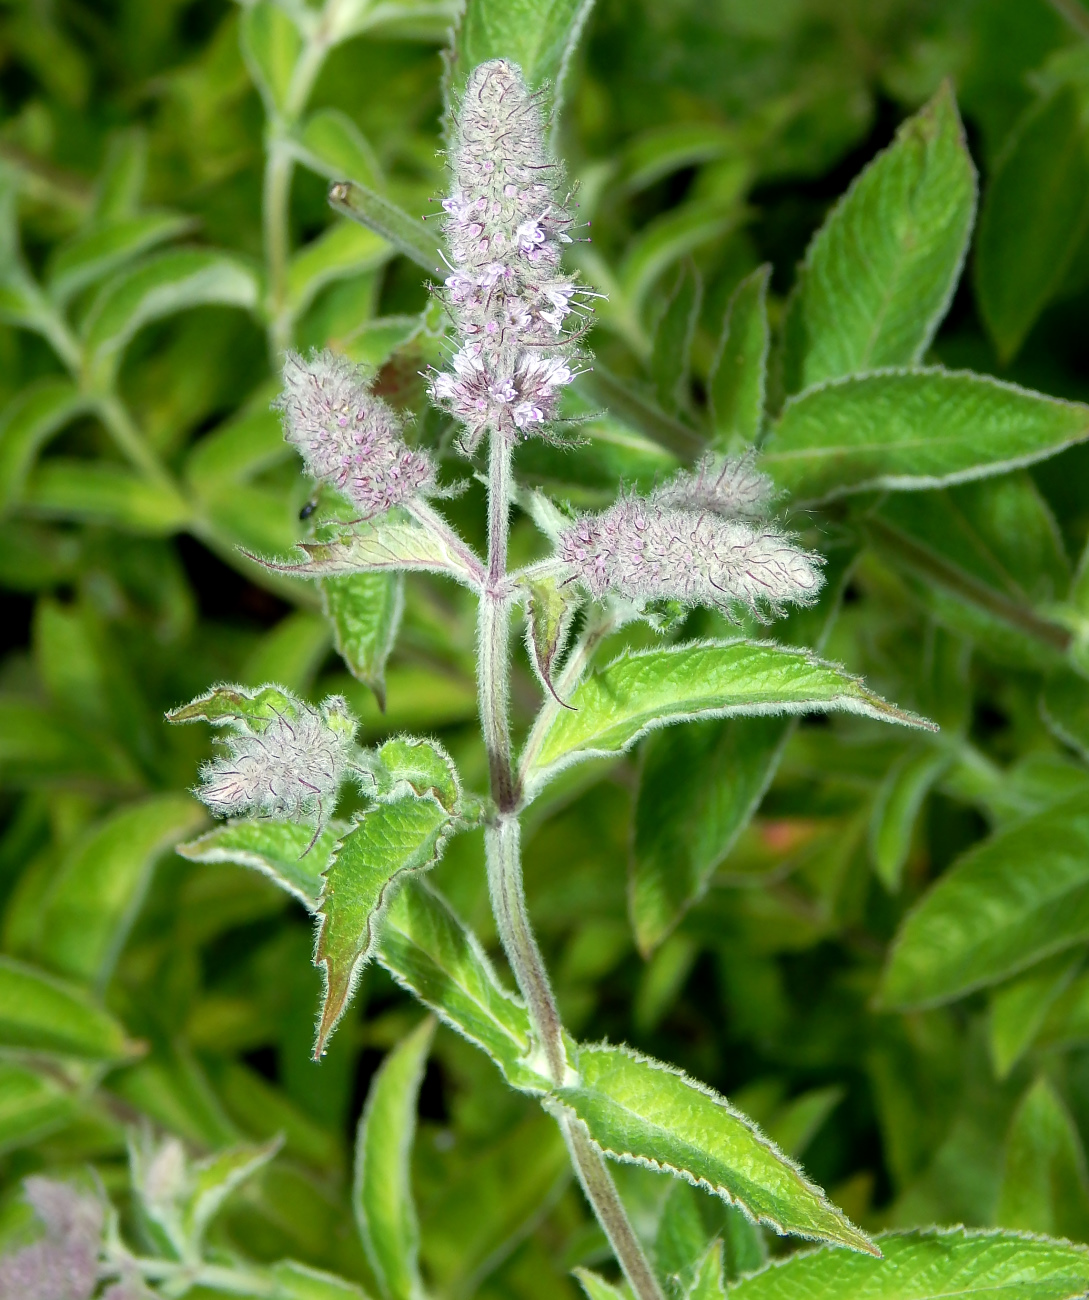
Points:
x=644 y=1112
x=549 y=611
x=286 y=852
x=1020 y=895
x=880 y=273
x=162 y=286
x=40 y=1013
x=738 y=381
x=670 y=356
x=1044 y=1186
x=896 y=809
x=928 y=1264
x=296 y=1281
x=616 y=705
x=365 y=610
x=382 y=1198
x=106 y=247
x=344 y=249
x=100 y=492
x=93 y=901
x=34 y=415
x=540 y=36
x=1034 y=217
x=1019 y=1009
x=271 y=45
x=383 y=845
x=409 y=236
x=334 y=146
x=384 y=544
x=913 y=429
x=427 y=950
x=407 y=764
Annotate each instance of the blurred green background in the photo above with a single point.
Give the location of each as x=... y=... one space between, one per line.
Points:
x=138 y=453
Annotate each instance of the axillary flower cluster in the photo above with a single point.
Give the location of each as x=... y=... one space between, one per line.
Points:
x=509 y=299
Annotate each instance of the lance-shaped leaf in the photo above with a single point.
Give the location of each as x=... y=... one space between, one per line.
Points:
x=1044 y=1186
x=234 y=705
x=1019 y=1008
x=881 y=271
x=929 y=1264
x=365 y=610
x=1018 y=896
x=408 y=235
x=643 y=1112
x=38 y=412
x=406 y=834
x=616 y=705
x=344 y=249
x=32 y=1105
x=896 y=811
x=284 y=851
x=106 y=247
x=213 y=1179
x=913 y=429
x=295 y=1281
x=596 y=1287
x=708 y=1283
x=427 y=950
x=738 y=379
x=549 y=610
x=40 y=1013
x=382 y=1192
x=332 y=145
x=386 y=544
x=671 y=350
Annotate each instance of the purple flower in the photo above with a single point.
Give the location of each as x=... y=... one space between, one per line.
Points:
x=64 y=1264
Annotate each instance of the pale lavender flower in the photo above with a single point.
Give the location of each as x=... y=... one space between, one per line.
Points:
x=292 y=767
x=350 y=438
x=63 y=1265
x=645 y=550
x=505 y=227
x=730 y=486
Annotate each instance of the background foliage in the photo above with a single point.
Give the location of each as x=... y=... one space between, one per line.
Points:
x=883 y=964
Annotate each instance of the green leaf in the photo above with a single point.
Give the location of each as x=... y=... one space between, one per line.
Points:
x=301 y=1282
x=1019 y=1009
x=596 y=1286
x=796 y=1124
x=411 y=237
x=106 y=247
x=32 y=1106
x=344 y=249
x=896 y=810
x=427 y=950
x=1034 y=217
x=334 y=147
x=39 y=745
x=667 y=239
x=549 y=611
x=1064 y=704
x=382 y=1191
x=692 y=1225
x=738 y=381
x=616 y=705
x=670 y=358
x=929 y=1264
x=1018 y=896
x=97 y=892
x=34 y=415
x=383 y=845
x=708 y=1283
x=290 y=653
x=880 y=273
x=251 y=710
x=104 y=493
x=389 y=542
x=638 y=411
x=279 y=850
x=162 y=286
x=1044 y=1186
x=540 y=36
x=216 y=1177
x=365 y=610
x=407 y=765
x=641 y=1111
x=271 y=46
x=40 y=1013
x=914 y=429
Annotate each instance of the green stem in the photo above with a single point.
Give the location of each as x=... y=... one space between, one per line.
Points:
x=132 y=443
x=279 y=167
x=503 y=850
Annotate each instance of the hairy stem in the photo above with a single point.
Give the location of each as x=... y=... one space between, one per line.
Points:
x=503 y=849
x=279 y=167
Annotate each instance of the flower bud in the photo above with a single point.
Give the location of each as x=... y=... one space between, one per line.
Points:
x=350 y=438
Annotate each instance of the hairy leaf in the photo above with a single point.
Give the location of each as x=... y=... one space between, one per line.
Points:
x=379 y=214
x=1044 y=1186
x=738 y=379
x=881 y=271
x=271 y=46
x=280 y=850
x=929 y=1264
x=382 y=1191
x=708 y=1283
x=550 y=610
x=912 y=429
x=365 y=610
x=1018 y=896
x=41 y=1013
x=641 y=1111
x=638 y=692
x=384 y=544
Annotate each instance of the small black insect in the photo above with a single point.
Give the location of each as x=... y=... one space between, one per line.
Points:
x=308 y=510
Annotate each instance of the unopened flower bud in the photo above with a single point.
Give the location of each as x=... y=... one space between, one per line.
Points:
x=350 y=438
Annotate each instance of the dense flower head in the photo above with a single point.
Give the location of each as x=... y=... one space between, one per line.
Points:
x=726 y=485
x=62 y=1266
x=646 y=549
x=350 y=438
x=505 y=229
x=291 y=767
